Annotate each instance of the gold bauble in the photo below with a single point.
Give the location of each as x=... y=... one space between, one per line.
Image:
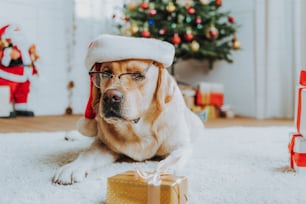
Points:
x=171 y=7
x=236 y=45
x=212 y=33
x=195 y=46
x=134 y=28
x=204 y=2
x=131 y=6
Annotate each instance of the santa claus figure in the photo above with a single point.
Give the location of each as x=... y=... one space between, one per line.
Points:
x=17 y=66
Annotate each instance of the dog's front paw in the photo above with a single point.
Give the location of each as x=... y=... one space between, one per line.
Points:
x=69 y=174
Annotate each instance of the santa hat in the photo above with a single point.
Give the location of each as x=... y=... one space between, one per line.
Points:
x=107 y=48
x=2 y=29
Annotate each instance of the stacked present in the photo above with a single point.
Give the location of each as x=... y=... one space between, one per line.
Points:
x=210 y=97
x=297 y=144
x=137 y=187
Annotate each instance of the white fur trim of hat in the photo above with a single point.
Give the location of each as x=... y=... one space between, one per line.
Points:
x=108 y=48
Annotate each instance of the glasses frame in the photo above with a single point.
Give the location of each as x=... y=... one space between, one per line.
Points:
x=113 y=76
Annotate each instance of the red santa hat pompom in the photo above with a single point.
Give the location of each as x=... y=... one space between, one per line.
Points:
x=107 y=48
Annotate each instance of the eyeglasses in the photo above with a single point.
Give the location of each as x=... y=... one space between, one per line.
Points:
x=127 y=79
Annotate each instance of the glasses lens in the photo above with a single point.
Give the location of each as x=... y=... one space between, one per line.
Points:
x=131 y=80
x=96 y=80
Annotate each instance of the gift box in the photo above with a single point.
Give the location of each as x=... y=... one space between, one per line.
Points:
x=132 y=188
x=210 y=94
x=5 y=105
x=297 y=151
x=300 y=112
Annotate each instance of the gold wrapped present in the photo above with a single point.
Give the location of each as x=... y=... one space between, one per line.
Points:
x=133 y=188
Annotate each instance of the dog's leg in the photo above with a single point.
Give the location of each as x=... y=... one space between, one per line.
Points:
x=176 y=161
x=96 y=156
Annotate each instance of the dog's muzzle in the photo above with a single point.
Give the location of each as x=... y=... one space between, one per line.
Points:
x=112 y=100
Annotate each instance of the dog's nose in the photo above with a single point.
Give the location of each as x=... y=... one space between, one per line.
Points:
x=112 y=96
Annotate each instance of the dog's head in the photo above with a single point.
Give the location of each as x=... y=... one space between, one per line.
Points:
x=125 y=90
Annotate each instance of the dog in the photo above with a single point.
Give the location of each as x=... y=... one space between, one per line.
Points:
x=140 y=113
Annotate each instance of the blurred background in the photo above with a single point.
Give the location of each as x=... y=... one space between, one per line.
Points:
x=260 y=83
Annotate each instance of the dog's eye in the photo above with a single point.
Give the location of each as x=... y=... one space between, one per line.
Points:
x=106 y=75
x=137 y=76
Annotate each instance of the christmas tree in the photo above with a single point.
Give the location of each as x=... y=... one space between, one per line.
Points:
x=197 y=28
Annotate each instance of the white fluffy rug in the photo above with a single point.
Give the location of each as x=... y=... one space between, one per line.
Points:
x=230 y=165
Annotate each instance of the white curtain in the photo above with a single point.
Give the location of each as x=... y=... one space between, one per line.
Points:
x=278 y=56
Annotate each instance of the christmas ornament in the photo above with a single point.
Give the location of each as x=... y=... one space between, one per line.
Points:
x=173 y=25
x=204 y=2
x=170 y=7
x=194 y=46
x=198 y=20
x=191 y=11
x=235 y=43
x=218 y=3
x=212 y=32
x=189 y=3
x=162 y=31
x=231 y=19
x=176 y=39
x=144 y=5
x=199 y=26
x=134 y=28
x=188 y=19
x=152 y=12
x=188 y=36
x=151 y=22
x=131 y=6
x=145 y=34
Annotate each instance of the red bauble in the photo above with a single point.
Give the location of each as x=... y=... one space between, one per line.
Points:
x=162 y=31
x=213 y=33
x=188 y=36
x=218 y=2
x=176 y=39
x=231 y=19
x=144 y=5
x=152 y=12
x=145 y=33
x=198 y=20
x=191 y=11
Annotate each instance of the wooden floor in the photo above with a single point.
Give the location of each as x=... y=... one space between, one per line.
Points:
x=68 y=122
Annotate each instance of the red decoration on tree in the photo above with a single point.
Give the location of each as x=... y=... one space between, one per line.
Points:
x=198 y=20
x=176 y=39
x=144 y=5
x=162 y=31
x=218 y=2
x=189 y=36
x=212 y=33
x=231 y=19
x=145 y=34
x=191 y=11
x=152 y=12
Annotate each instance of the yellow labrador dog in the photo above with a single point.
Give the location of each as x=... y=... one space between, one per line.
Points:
x=140 y=113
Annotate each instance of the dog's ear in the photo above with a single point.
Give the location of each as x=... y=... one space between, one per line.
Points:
x=165 y=87
x=87 y=125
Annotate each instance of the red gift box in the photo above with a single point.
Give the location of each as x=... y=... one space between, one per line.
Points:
x=300 y=115
x=210 y=94
x=297 y=151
